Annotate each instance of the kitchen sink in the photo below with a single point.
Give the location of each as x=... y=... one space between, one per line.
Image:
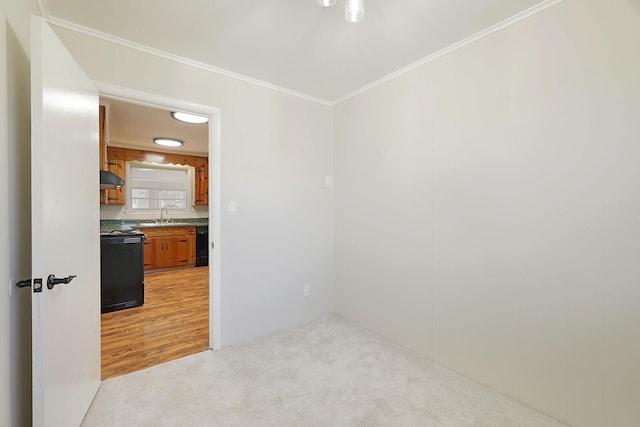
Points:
x=163 y=224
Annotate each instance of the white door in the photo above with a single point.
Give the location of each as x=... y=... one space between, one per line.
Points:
x=65 y=232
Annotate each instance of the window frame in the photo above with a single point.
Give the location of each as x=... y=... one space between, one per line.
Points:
x=130 y=210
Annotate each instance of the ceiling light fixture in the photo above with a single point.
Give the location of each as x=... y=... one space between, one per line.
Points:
x=353 y=9
x=189 y=118
x=168 y=142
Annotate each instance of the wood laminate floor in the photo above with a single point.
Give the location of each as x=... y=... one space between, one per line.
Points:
x=172 y=323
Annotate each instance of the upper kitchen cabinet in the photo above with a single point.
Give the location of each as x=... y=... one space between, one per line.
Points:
x=202 y=181
x=135 y=133
x=116 y=163
x=118 y=156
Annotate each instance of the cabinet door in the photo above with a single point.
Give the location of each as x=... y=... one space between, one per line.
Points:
x=202 y=182
x=169 y=251
x=158 y=252
x=148 y=254
x=191 y=241
x=182 y=250
x=117 y=197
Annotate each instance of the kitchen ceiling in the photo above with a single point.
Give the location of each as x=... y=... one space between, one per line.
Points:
x=294 y=44
x=135 y=126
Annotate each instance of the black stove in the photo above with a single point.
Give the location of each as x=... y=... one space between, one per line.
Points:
x=120 y=233
x=121 y=269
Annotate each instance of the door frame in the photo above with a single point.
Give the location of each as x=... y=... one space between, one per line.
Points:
x=146 y=99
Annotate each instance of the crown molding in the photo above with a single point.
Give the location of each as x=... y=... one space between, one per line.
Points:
x=455 y=46
x=186 y=61
x=172 y=57
x=42 y=6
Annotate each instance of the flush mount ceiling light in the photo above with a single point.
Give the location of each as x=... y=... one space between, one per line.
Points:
x=168 y=142
x=353 y=9
x=189 y=118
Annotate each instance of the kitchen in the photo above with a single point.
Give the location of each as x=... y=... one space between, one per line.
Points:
x=154 y=214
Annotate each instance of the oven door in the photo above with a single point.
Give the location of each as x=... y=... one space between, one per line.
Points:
x=121 y=272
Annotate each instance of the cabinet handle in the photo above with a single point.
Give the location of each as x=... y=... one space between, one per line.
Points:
x=183 y=241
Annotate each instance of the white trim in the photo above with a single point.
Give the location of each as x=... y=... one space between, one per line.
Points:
x=152 y=51
x=42 y=6
x=157 y=101
x=457 y=45
x=157 y=52
x=180 y=59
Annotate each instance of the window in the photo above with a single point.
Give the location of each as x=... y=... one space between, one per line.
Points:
x=153 y=186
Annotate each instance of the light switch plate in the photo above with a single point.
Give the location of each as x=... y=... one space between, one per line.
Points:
x=232 y=208
x=328 y=181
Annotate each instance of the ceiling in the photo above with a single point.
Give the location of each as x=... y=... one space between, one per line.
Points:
x=135 y=126
x=294 y=44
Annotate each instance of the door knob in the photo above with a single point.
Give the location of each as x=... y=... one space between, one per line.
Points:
x=52 y=280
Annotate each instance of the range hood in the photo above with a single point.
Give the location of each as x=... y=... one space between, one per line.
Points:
x=109 y=180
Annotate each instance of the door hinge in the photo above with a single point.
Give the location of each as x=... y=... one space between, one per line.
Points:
x=37 y=284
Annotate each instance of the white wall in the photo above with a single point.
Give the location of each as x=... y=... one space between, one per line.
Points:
x=15 y=236
x=487 y=211
x=276 y=151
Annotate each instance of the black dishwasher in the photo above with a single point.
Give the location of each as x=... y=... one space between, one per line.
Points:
x=202 y=245
x=121 y=270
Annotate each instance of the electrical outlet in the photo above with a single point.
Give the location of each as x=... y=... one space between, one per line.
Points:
x=307 y=290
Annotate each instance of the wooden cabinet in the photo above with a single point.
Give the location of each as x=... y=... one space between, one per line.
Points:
x=168 y=247
x=117 y=197
x=114 y=161
x=202 y=182
x=116 y=158
x=184 y=250
x=164 y=252
x=148 y=253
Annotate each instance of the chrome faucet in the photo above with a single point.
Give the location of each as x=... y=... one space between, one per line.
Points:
x=162 y=212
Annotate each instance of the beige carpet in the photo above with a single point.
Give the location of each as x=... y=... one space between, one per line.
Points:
x=327 y=373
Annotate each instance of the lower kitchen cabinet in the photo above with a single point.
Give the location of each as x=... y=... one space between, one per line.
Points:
x=148 y=254
x=168 y=247
x=164 y=252
x=185 y=250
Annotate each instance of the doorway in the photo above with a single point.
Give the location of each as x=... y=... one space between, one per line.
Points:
x=181 y=314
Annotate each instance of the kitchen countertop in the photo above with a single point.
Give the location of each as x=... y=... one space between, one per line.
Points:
x=109 y=224
x=165 y=224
